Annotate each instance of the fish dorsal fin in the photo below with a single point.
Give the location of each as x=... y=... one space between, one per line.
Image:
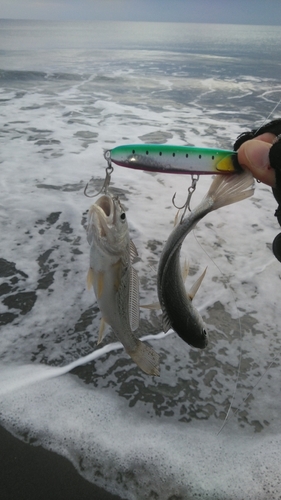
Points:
x=166 y=323
x=194 y=289
x=90 y=278
x=133 y=251
x=134 y=307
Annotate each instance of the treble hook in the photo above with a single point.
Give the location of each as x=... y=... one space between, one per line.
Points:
x=104 y=189
x=191 y=190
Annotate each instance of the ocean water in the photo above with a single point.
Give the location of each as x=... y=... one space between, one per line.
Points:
x=67 y=91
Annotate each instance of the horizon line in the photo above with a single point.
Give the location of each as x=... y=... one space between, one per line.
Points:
x=135 y=21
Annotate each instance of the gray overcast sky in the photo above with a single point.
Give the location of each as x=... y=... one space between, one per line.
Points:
x=214 y=11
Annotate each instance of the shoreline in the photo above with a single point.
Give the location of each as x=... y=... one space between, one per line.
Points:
x=32 y=473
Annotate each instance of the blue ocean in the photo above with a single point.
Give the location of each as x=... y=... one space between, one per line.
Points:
x=209 y=426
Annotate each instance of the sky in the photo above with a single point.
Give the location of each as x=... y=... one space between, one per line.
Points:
x=206 y=11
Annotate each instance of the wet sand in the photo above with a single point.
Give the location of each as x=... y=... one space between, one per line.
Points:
x=33 y=473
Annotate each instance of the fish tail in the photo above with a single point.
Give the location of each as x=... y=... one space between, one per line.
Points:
x=227 y=189
x=146 y=358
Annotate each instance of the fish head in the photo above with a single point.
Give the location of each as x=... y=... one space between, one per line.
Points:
x=202 y=339
x=199 y=330
x=107 y=225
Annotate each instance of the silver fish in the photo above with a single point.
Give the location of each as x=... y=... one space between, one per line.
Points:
x=114 y=279
x=178 y=310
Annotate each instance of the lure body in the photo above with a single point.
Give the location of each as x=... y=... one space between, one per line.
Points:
x=167 y=158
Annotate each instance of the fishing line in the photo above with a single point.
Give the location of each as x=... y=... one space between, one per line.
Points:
x=270 y=114
x=240 y=357
x=239 y=320
x=250 y=392
x=240 y=335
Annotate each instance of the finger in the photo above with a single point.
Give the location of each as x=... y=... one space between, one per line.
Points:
x=267 y=137
x=254 y=156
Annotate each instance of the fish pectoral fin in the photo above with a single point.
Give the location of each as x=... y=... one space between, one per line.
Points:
x=97 y=278
x=194 y=289
x=90 y=278
x=185 y=270
x=101 y=330
x=177 y=218
x=153 y=306
x=134 y=306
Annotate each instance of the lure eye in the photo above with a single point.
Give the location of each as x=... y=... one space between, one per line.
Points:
x=123 y=216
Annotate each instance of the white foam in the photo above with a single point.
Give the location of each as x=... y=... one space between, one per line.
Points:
x=149 y=455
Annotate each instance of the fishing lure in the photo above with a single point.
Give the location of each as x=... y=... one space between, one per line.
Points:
x=167 y=158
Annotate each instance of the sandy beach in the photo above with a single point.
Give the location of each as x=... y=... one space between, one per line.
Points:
x=33 y=473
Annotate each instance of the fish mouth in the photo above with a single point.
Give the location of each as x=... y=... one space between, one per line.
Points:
x=103 y=212
x=105 y=203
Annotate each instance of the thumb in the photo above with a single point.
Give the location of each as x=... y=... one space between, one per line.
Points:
x=254 y=156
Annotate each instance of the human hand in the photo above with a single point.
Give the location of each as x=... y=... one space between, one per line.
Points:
x=254 y=156
x=260 y=152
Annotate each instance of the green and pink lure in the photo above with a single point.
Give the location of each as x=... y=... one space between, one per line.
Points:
x=167 y=158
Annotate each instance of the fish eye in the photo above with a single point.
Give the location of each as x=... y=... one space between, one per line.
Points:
x=123 y=216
